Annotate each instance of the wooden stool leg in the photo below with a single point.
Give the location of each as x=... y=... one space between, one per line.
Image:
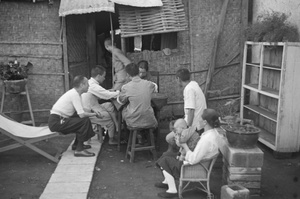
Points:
x=100 y=133
x=29 y=105
x=153 y=144
x=2 y=99
x=132 y=150
x=129 y=143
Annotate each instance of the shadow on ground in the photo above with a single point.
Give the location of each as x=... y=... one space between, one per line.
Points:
x=116 y=178
x=24 y=173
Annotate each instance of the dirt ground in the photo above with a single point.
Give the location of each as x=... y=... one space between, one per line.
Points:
x=24 y=174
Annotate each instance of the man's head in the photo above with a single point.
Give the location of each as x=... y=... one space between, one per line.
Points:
x=99 y=73
x=171 y=125
x=108 y=44
x=132 y=69
x=183 y=75
x=80 y=83
x=143 y=68
x=180 y=125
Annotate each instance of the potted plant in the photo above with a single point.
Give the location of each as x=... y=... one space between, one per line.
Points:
x=239 y=133
x=14 y=76
x=272 y=27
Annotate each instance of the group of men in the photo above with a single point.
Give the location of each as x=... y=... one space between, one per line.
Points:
x=79 y=108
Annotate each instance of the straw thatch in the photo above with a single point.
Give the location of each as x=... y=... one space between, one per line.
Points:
x=68 y=7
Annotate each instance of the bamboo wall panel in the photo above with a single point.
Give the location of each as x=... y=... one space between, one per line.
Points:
x=30 y=32
x=76 y=35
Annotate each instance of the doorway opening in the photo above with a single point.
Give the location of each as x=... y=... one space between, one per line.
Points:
x=103 y=29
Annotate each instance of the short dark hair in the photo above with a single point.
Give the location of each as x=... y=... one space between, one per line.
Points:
x=78 y=80
x=212 y=117
x=132 y=69
x=108 y=42
x=98 y=70
x=183 y=74
x=172 y=122
x=143 y=64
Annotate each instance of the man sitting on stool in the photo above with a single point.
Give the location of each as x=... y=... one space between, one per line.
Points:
x=108 y=118
x=138 y=112
x=62 y=117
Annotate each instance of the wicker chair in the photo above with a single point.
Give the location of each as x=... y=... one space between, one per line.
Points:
x=197 y=173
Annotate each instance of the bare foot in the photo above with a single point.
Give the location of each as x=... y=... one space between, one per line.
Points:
x=112 y=142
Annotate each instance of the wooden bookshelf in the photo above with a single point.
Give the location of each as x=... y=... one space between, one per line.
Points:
x=270 y=93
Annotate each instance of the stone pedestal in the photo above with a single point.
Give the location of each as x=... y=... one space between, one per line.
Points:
x=234 y=192
x=242 y=166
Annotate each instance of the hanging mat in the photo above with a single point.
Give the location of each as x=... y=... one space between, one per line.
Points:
x=136 y=21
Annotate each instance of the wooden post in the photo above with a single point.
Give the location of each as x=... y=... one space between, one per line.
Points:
x=112 y=52
x=243 y=49
x=215 y=47
x=91 y=42
x=65 y=55
x=123 y=45
x=191 y=39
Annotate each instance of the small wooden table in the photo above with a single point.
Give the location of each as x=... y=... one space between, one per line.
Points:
x=158 y=101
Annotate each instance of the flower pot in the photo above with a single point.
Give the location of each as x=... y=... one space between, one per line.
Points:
x=159 y=100
x=241 y=136
x=15 y=86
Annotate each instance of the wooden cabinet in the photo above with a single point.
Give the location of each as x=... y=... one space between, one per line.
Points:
x=270 y=93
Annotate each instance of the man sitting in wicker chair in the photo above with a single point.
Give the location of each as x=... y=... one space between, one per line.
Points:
x=206 y=148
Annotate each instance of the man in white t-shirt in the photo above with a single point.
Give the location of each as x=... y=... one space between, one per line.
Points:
x=64 y=120
x=194 y=101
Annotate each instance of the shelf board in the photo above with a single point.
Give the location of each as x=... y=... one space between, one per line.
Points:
x=267 y=139
x=270 y=92
x=265 y=43
x=265 y=91
x=262 y=111
x=266 y=66
x=272 y=67
x=252 y=64
x=253 y=87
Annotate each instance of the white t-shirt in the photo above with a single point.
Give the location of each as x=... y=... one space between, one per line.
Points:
x=206 y=148
x=194 y=99
x=99 y=91
x=67 y=104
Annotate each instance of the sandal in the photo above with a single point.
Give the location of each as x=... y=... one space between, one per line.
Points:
x=122 y=142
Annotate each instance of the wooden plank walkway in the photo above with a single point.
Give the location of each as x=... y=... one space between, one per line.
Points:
x=73 y=175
